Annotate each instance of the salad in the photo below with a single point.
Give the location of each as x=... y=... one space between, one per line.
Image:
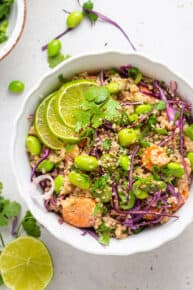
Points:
x=112 y=152
x=5 y=9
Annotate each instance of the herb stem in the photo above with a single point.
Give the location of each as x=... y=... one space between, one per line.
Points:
x=2 y=240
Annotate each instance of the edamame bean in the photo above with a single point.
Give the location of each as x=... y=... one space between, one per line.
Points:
x=54 y=47
x=143 y=109
x=113 y=87
x=58 y=183
x=16 y=86
x=130 y=203
x=124 y=162
x=46 y=166
x=33 y=145
x=140 y=194
x=190 y=157
x=79 y=180
x=105 y=195
x=189 y=131
x=127 y=137
x=86 y=162
x=133 y=117
x=175 y=169
x=74 y=19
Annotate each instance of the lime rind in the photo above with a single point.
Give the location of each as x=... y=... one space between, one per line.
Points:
x=42 y=128
x=25 y=264
x=55 y=124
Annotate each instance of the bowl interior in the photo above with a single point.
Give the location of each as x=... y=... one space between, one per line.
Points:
x=146 y=240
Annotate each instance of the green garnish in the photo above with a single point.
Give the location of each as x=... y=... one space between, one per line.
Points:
x=135 y=74
x=5 y=8
x=97 y=94
x=89 y=6
x=101 y=182
x=30 y=225
x=160 y=106
x=104 y=238
x=107 y=144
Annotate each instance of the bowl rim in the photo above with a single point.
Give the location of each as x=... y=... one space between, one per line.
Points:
x=16 y=34
x=147 y=248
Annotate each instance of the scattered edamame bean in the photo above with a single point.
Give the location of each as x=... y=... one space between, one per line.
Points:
x=143 y=109
x=54 y=47
x=189 y=131
x=74 y=19
x=175 y=169
x=58 y=183
x=113 y=87
x=16 y=86
x=133 y=117
x=124 y=162
x=140 y=194
x=128 y=136
x=105 y=195
x=46 y=166
x=33 y=145
x=190 y=157
x=79 y=180
x=86 y=162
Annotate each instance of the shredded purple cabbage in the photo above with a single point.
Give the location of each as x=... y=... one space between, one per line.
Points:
x=130 y=173
x=90 y=232
x=167 y=139
x=14 y=226
x=171 y=112
x=131 y=103
x=124 y=69
x=101 y=77
x=115 y=197
x=150 y=94
x=44 y=47
x=107 y=125
x=46 y=153
x=112 y=22
x=173 y=87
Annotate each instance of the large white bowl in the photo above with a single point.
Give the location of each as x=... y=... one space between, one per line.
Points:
x=148 y=239
x=16 y=19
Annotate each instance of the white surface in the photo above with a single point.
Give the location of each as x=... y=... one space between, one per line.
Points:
x=147 y=240
x=164 y=28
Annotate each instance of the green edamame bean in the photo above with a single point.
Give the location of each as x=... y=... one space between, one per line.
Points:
x=143 y=109
x=86 y=162
x=113 y=87
x=74 y=19
x=54 y=47
x=16 y=86
x=46 y=166
x=124 y=162
x=189 y=131
x=58 y=183
x=175 y=169
x=130 y=203
x=79 y=180
x=33 y=145
x=190 y=157
x=127 y=137
x=133 y=117
x=161 y=131
x=140 y=194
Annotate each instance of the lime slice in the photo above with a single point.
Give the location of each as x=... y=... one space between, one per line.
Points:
x=56 y=125
x=42 y=128
x=25 y=264
x=71 y=95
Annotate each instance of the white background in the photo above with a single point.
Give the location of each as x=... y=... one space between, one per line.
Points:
x=161 y=28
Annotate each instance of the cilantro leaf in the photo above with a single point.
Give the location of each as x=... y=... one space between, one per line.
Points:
x=1 y=280
x=89 y=6
x=53 y=61
x=100 y=183
x=82 y=120
x=160 y=106
x=111 y=108
x=12 y=209
x=98 y=208
x=104 y=238
x=97 y=94
x=30 y=225
x=107 y=144
x=3 y=220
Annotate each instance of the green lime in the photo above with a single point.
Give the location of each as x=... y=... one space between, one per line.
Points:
x=25 y=264
x=42 y=128
x=56 y=125
x=71 y=95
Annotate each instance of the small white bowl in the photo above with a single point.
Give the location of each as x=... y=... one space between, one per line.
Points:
x=16 y=20
x=146 y=240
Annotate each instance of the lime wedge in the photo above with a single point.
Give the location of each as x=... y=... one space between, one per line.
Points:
x=42 y=128
x=25 y=264
x=71 y=95
x=56 y=125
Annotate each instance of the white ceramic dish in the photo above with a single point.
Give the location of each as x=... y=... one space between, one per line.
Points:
x=16 y=25
x=148 y=239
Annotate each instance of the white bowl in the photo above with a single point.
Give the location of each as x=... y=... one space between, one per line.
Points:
x=148 y=239
x=16 y=19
